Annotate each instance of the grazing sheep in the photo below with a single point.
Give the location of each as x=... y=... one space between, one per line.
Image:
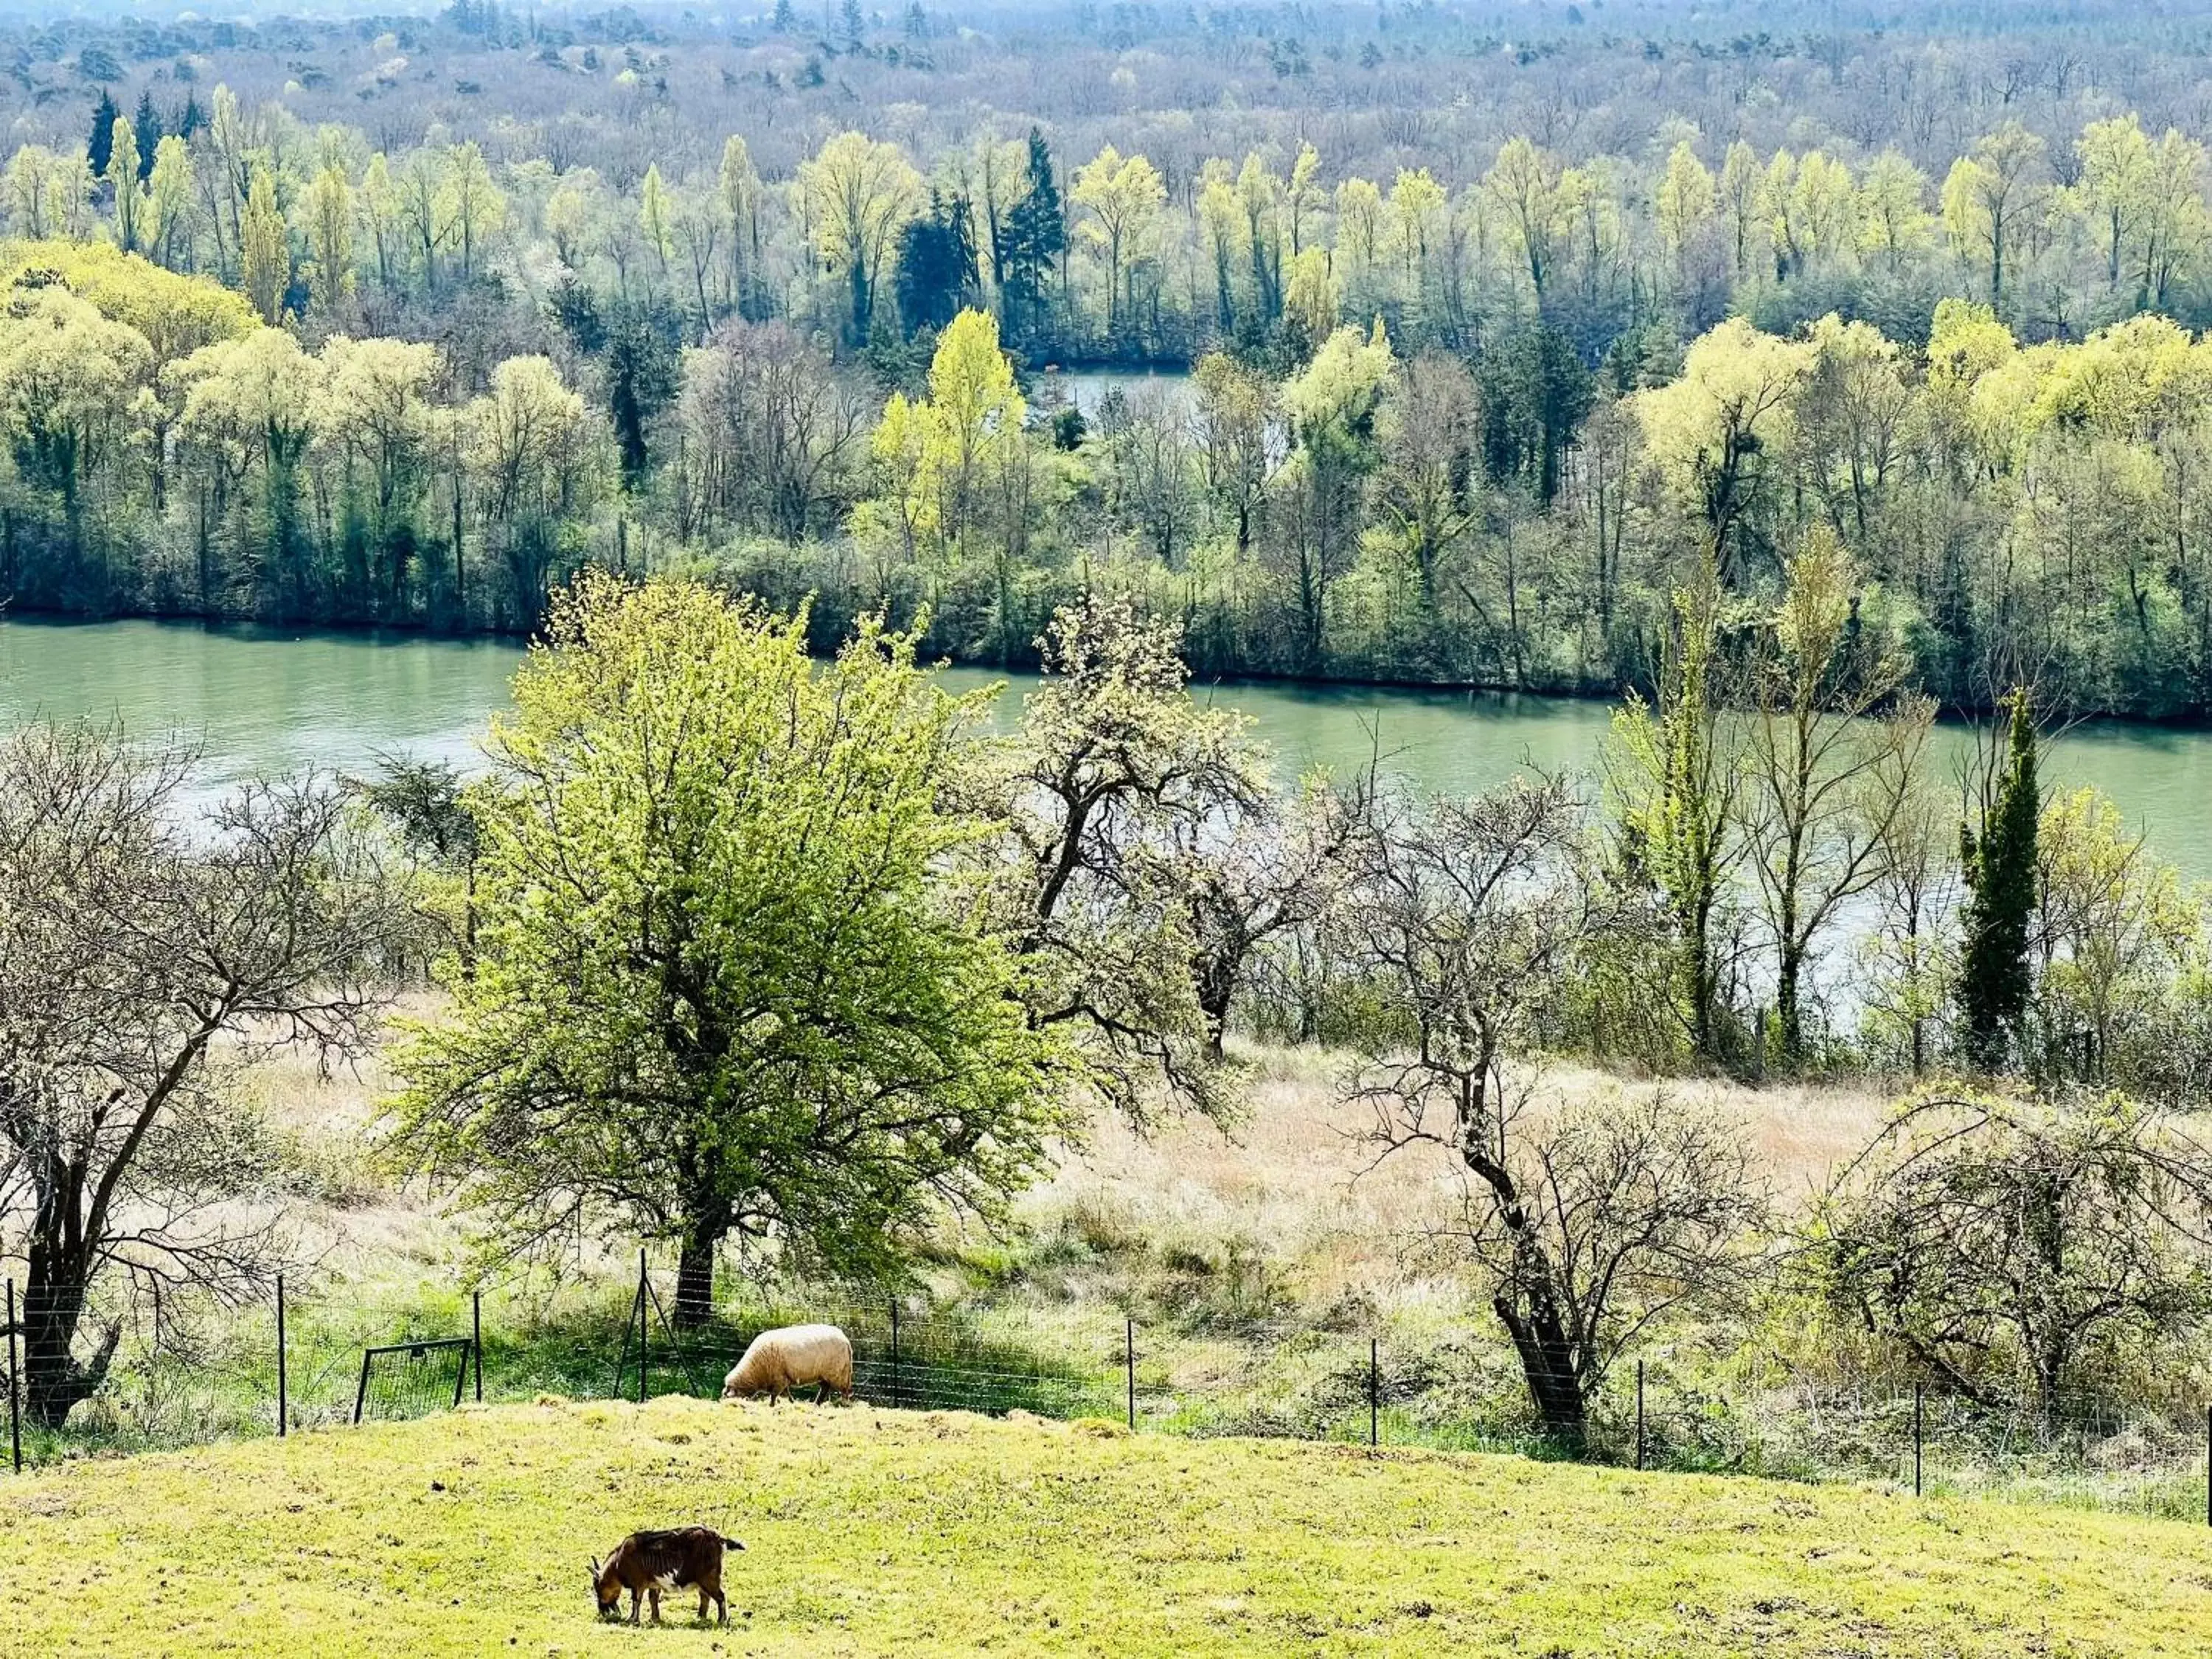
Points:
x=791 y=1357
x=646 y=1563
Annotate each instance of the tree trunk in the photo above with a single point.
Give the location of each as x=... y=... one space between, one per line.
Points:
x=1527 y=1303
x=695 y=1278
x=1547 y=1363
x=1789 y=1006
x=1214 y=975
x=54 y=1381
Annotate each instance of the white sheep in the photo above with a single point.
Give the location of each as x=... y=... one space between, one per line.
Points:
x=791 y=1357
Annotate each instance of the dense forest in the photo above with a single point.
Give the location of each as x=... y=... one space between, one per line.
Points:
x=1497 y=329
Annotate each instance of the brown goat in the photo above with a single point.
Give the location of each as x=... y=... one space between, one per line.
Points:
x=646 y=1563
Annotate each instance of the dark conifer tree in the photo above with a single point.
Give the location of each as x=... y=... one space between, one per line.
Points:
x=2000 y=869
x=1036 y=235
x=643 y=354
x=937 y=271
x=101 y=145
x=146 y=125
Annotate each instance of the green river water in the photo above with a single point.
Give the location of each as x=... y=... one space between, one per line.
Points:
x=258 y=700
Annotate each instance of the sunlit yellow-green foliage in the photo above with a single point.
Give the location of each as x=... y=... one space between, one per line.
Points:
x=947 y=459
x=1343 y=383
x=1686 y=199
x=1312 y=297
x=2125 y=383
x=175 y=314
x=1121 y=196
x=2118 y=930
x=163 y=399
x=265 y=248
x=879 y=1532
x=857 y=193
x=69 y=378
x=1713 y=431
x=2121 y=224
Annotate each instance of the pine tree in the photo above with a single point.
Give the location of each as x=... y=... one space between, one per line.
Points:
x=193 y=119
x=101 y=145
x=1036 y=235
x=786 y=20
x=2000 y=867
x=937 y=273
x=642 y=376
x=146 y=125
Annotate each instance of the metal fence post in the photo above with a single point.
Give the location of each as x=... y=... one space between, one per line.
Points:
x=2207 y=1466
x=643 y=1289
x=1374 y=1392
x=14 y=1385
x=476 y=1338
x=895 y=1353
x=1129 y=1352
x=1915 y=1439
x=1639 y=1413
x=284 y=1382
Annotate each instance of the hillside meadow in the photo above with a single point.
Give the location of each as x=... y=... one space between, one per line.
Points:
x=872 y=1531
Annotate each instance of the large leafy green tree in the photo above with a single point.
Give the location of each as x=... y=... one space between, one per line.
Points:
x=724 y=980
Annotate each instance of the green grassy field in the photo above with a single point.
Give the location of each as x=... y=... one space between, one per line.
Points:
x=875 y=1533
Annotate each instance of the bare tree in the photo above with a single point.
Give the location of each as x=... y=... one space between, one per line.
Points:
x=1276 y=871
x=778 y=433
x=142 y=959
x=1428 y=480
x=1834 y=746
x=1907 y=953
x=2000 y=1242
x=1155 y=489
x=1470 y=916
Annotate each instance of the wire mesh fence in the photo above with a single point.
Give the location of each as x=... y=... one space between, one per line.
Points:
x=317 y=1355
x=402 y=1380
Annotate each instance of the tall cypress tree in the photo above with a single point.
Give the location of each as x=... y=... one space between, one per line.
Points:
x=1999 y=863
x=147 y=125
x=1036 y=235
x=642 y=367
x=101 y=145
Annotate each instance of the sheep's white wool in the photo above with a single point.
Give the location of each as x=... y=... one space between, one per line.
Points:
x=792 y=1357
